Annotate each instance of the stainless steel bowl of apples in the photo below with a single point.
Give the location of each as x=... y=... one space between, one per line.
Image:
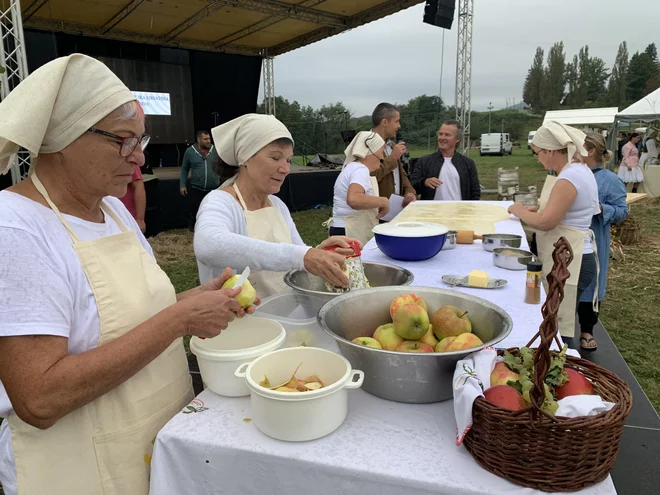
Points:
x=407 y=340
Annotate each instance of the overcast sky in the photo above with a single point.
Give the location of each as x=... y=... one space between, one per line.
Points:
x=399 y=57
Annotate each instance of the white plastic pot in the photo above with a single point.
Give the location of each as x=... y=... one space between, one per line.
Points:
x=303 y=416
x=244 y=340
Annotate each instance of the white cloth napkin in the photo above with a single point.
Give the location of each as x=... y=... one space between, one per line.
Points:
x=472 y=378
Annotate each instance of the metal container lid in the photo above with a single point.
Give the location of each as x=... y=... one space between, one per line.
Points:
x=534 y=266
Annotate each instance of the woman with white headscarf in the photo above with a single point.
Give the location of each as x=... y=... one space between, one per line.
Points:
x=567 y=205
x=243 y=224
x=356 y=205
x=92 y=362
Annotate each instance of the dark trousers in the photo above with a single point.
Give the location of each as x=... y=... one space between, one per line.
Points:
x=587 y=316
x=587 y=274
x=337 y=231
x=195 y=197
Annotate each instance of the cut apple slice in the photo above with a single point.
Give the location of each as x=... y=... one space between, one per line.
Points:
x=313 y=385
x=265 y=383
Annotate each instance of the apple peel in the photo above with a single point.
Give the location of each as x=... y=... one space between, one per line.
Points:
x=293 y=384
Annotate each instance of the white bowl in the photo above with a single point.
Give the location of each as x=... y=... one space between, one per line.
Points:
x=298 y=417
x=244 y=339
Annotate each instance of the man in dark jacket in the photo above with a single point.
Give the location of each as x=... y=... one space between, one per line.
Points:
x=447 y=175
x=199 y=159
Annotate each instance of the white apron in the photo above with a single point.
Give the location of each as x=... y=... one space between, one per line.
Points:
x=266 y=224
x=104 y=448
x=545 y=246
x=359 y=225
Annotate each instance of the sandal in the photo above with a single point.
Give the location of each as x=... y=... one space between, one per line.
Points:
x=588 y=340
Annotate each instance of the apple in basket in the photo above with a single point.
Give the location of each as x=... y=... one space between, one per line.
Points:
x=406 y=299
x=577 y=384
x=367 y=341
x=505 y=397
x=411 y=322
x=502 y=375
x=414 y=346
x=387 y=337
x=450 y=321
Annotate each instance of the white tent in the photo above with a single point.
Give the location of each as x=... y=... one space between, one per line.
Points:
x=646 y=109
x=593 y=117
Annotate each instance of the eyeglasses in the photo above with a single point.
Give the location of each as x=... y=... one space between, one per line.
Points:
x=128 y=144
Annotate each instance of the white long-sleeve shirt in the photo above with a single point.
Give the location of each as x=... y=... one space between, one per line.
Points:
x=221 y=240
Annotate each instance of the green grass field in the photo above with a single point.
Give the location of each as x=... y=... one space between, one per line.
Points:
x=629 y=311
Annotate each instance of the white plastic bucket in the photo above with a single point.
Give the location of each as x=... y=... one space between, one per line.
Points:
x=303 y=416
x=244 y=340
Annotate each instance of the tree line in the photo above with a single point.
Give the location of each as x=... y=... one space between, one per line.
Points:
x=586 y=82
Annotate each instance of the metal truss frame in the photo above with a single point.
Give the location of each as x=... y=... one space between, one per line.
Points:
x=463 y=101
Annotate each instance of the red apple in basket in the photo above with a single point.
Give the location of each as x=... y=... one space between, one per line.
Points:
x=414 y=346
x=577 y=384
x=406 y=299
x=501 y=375
x=505 y=397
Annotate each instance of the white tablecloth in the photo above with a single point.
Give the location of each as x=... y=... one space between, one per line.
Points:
x=383 y=447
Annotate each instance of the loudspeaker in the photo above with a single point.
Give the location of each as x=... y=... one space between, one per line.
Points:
x=440 y=13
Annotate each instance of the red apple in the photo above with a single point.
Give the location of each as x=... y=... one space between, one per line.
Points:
x=406 y=299
x=577 y=384
x=414 y=346
x=501 y=375
x=505 y=397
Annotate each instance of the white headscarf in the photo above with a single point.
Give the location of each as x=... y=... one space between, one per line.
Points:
x=240 y=139
x=57 y=104
x=364 y=143
x=555 y=136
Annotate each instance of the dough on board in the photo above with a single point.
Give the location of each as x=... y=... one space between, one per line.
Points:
x=456 y=216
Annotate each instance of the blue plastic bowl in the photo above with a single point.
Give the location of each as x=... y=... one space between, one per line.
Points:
x=410 y=241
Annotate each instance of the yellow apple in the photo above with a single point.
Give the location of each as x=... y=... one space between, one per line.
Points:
x=247 y=295
x=429 y=338
x=501 y=375
x=368 y=342
x=464 y=341
x=411 y=322
x=444 y=344
x=406 y=299
x=450 y=321
x=387 y=337
x=414 y=346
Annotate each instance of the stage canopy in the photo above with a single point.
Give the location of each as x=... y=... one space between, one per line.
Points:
x=646 y=109
x=595 y=117
x=248 y=27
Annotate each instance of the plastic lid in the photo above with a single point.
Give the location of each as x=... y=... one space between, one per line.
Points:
x=410 y=229
x=534 y=266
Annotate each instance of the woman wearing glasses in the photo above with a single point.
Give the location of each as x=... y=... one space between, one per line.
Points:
x=356 y=204
x=243 y=224
x=92 y=363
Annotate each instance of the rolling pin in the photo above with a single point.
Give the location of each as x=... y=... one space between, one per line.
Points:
x=466 y=237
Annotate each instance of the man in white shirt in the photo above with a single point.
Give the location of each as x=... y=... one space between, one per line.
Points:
x=447 y=175
x=391 y=177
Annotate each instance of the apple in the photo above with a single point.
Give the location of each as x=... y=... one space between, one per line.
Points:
x=505 y=397
x=443 y=345
x=406 y=299
x=247 y=296
x=464 y=341
x=411 y=322
x=414 y=346
x=387 y=337
x=501 y=375
x=449 y=321
x=429 y=338
x=577 y=384
x=368 y=341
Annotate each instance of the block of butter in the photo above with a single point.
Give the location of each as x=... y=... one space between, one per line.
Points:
x=478 y=278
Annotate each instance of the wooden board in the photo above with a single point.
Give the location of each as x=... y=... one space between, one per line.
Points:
x=634 y=197
x=455 y=215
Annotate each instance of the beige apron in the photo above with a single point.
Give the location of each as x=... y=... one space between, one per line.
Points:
x=545 y=245
x=104 y=448
x=266 y=224
x=359 y=225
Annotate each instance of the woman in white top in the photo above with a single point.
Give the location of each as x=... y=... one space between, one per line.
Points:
x=567 y=206
x=356 y=205
x=92 y=362
x=243 y=224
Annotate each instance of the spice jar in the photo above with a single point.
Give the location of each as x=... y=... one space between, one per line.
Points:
x=533 y=284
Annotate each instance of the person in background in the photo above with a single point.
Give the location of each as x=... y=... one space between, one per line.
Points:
x=629 y=171
x=621 y=142
x=391 y=177
x=199 y=159
x=447 y=175
x=135 y=199
x=613 y=209
x=567 y=205
x=356 y=205
x=650 y=150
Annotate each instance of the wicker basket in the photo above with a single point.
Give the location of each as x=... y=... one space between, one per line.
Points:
x=535 y=449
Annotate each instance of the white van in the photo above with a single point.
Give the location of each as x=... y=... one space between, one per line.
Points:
x=530 y=136
x=496 y=143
